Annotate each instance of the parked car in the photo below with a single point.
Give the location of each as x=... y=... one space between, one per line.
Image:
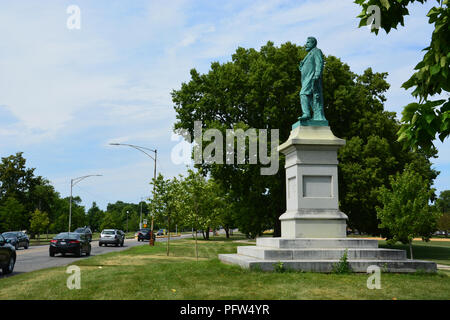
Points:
x=17 y=239
x=7 y=256
x=70 y=242
x=161 y=232
x=144 y=234
x=112 y=236
x=85 y=230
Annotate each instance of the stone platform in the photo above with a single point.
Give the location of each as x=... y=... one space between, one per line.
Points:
x=320 y=254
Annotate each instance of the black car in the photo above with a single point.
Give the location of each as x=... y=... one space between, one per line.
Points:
x=17 y=239
x=85 y=230
x=7 y=256
x=70 y=242
x=144 y=234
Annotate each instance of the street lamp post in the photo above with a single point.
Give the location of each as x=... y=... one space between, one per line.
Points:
x=72 y=183
x=143 y=149
x=127 y=220
x=140 y=218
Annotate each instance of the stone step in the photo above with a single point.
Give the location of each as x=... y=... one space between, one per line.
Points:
x=298 y=243
x=398 y=266
x=267 y=253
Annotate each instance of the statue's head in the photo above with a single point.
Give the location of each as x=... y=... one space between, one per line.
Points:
x=311 y=43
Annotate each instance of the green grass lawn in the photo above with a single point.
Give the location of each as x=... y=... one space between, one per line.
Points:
x=437 y=251
x=145 y=272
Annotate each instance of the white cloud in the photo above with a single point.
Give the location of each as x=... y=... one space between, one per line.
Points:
x=111 y=81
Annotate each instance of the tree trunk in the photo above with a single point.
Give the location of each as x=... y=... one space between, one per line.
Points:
x=196 y=247
x=168 y=235
x=227 y=232
x=207 y=234
x=411 y=250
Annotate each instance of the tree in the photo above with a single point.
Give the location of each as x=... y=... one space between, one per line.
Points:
x=421 y=121
x=44 y=198
x=78 y=218
x=259 y=89
x=12 y=215
x=192 y=205
x=443 y=206
x=39 y=222
x=15 y=178
x=444 y=223
x=111 y=220
x=32 y=192
x=443 y=202
x=94 y=217
x=405 y=210
x=164 y=201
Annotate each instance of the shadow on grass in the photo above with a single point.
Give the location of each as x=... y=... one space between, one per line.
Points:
x=424 y=251
x=220 y=238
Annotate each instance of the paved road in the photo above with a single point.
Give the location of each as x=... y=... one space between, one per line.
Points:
x=37 y=257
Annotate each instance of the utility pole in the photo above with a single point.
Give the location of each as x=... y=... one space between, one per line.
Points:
x=72 y=183
x=127 y=221
x=142 y=149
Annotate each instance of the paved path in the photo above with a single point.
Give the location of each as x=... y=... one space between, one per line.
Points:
x=443 y=267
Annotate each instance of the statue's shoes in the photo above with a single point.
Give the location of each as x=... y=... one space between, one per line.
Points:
x=305 y=117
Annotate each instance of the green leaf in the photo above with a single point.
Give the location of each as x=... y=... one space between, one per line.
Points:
x=435 y=69
x=429 y=117
x=385 y=4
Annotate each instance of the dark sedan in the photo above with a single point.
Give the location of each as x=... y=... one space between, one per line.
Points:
x=70 y=242
x=144 y=234
x=86 y=231
x=17 y=239
x=7 y=256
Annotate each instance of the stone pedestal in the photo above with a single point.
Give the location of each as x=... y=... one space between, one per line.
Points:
x=312 y=184
x=313 y=229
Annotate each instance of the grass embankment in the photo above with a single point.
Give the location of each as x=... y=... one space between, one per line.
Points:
x=145 y=272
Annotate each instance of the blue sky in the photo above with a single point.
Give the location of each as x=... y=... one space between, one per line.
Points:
x=66 y=94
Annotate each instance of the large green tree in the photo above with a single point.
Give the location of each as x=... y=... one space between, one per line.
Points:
x=443 y=202
x=13 y=215
x=32 y=192
x=118 y=212
x=443 y=206
x=78 y=217
x=259 y=89
x=94 y=217
x=425 y=119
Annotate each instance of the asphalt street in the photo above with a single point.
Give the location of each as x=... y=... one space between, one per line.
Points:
x=37 y=257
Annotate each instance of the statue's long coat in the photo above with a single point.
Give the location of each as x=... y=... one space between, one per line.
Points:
x=311 y=65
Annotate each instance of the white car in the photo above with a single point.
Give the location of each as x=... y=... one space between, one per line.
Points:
x=112 y=236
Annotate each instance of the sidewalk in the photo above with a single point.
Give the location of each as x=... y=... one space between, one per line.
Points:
x=415 y=239
x=443 y=267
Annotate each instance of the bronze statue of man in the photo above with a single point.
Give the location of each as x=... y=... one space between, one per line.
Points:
x=311 y=94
